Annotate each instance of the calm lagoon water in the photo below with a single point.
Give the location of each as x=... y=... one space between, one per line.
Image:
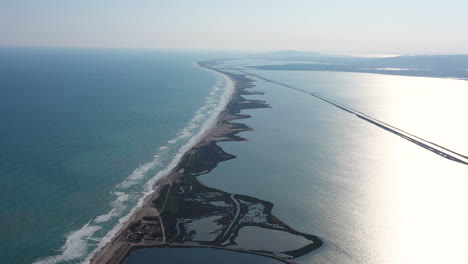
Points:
x=194 y=255
x=370 y=195
x=431 y=108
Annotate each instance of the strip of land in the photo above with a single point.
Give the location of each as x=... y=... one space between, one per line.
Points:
x=182 y=212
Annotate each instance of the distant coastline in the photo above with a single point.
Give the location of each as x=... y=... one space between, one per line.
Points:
x=155 y=224
x=414 y=72
x=438 y=66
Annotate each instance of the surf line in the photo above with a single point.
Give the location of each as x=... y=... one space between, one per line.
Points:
x=428 y=145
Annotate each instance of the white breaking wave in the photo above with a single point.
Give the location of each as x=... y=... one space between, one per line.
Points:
x=77 y=244
x=139 y=173
x=118 y=207
x=75 y=247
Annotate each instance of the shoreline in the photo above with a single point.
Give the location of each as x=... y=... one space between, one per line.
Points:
x=107 y=250
x=152 y=225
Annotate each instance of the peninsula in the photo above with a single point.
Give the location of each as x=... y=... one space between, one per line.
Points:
x=182 y=212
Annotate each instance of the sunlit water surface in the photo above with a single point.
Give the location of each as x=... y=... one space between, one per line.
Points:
x=372 y=196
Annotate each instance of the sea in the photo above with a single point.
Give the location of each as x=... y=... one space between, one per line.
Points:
x=84 y=133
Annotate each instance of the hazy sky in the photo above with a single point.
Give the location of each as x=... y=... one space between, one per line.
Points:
x=367 y=26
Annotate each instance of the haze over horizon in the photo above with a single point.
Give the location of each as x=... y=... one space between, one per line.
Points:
x=397 y=27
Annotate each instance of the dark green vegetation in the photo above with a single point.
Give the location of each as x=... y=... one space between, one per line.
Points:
x=186 y=201
x=194 y=215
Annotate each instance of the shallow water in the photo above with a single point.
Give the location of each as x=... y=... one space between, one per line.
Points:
x=194 y=255
x=371 y=196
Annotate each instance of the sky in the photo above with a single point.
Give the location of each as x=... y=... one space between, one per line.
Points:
x=333 y=26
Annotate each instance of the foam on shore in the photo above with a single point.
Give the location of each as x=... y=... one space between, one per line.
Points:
x=134 y=189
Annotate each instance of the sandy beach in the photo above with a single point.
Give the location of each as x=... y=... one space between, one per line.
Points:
x=148 y=227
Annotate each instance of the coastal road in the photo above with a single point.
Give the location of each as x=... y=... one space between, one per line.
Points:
x=234 y=220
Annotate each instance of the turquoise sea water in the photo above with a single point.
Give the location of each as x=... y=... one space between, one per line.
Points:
x=81 y=134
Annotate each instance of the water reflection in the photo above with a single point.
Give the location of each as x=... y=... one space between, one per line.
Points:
x=371 y=196
x=432 y=108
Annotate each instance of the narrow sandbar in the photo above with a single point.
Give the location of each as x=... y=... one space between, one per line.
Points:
x=181 y=208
